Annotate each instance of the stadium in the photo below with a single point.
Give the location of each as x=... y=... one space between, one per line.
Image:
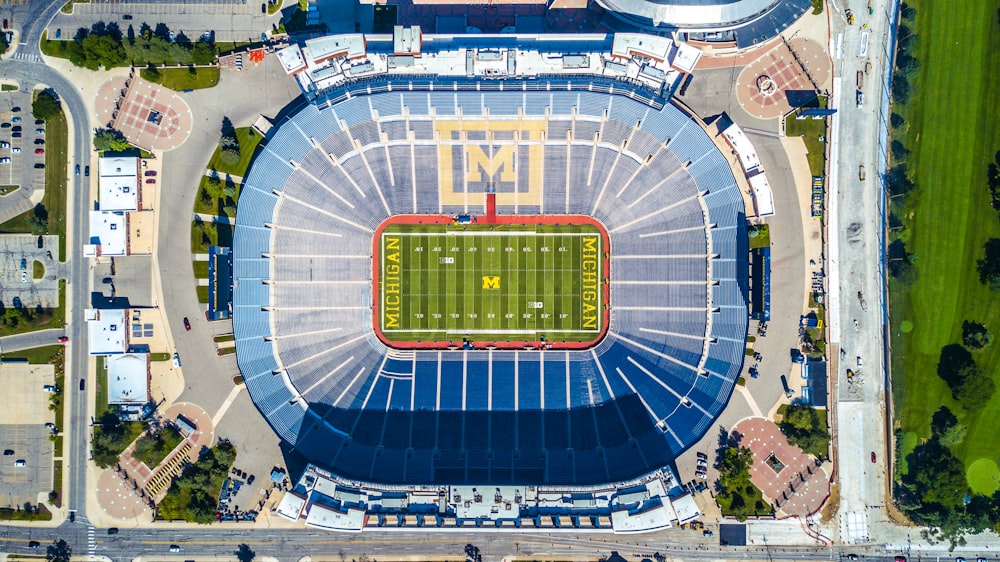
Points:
x=478 y=403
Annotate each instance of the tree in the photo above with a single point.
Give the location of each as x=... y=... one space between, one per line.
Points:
x=110 y=139
x=975 y=335
x=946 y=428
x=954 y=364
x=989 y=265
x=896 y=120
x=202 y=53
x=937 y=476
x=227 y=129
x=244 y=554
x=58 y=551
x=46 y=105
x=804 y=428
x=102 y=50
x=975 y=391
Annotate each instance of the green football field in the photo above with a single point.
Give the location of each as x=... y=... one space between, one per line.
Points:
x=490 y=282
x=950 y=146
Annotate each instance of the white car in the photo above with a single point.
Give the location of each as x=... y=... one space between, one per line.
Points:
x=860 y=362
x=177 y=361
x=16 y=150
x=4 y=144
x=4 y=160
x=24 y=277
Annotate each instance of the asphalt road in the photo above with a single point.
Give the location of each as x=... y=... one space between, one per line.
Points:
x=28 y=73
x=18 y=342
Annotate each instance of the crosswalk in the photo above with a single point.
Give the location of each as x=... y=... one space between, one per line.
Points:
x=91 y=544
x=27 y=56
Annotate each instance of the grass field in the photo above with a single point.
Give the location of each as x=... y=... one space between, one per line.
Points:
x=950 y=144
x=490 y=282
x=180 y=79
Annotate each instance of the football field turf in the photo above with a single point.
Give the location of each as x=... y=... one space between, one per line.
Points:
x=490 y=282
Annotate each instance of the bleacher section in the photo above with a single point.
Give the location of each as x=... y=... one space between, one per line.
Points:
x=302 y=300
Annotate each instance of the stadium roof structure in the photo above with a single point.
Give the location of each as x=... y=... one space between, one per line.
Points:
x=323 y=64
x=367 y=150
x=743 y=22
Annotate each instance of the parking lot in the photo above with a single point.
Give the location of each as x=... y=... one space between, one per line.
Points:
x=228 y=20
x=23 y=414
x=18 y=161
x=18 y=255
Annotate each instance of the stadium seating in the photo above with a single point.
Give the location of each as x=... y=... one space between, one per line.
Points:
x=302 y=301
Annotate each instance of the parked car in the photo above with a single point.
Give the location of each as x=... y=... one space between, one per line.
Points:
x=150 y=180
x=39 y=151
x=177 y=361
x=15 y=135
x=39 y=131
x=16 y=129
x=33 y=544
x=8 y=452
x=63 y=339
x=24 y=264
x=150 y=172
x=251 y=479
x=15 y=109
x=40 y=141
x=19 y=463
x=39 y=166
x=16 y=150
x=39 y=121
x=49 y=388
x=24 y=277
x=4 y=144
x=873 y=457
x=4 y=160
x=51 y=426
x=187 y=324
x=5 y=126
x=106 y=281
x=15 y=120
x=126 y=16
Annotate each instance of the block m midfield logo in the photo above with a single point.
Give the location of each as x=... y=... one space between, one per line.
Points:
x=490 y=162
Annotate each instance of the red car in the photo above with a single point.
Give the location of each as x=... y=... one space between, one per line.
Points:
x=63 y=339
x=873 y=457
x=39 y=151
x=150 y=180
x=187 y=325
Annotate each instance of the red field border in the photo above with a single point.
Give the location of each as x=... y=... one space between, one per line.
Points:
x=495 y=219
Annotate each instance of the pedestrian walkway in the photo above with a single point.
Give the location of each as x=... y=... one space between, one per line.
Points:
x=27 y=56
x=218 y=219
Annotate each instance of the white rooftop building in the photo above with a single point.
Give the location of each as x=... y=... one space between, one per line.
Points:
x=763 y=199
x=118 y=179
x=128 y=379
x=106 y=329
x=108 y=235
x=659 y=63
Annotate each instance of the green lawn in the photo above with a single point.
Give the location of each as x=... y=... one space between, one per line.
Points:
x=490 y=282
x=212 y=198
x=57 y=477
x=181 y=79
x=37 y=355
x=54 y=200
x=224 y=338
x=159 y=357
x=8 y=87
x=200 y=269
x=950 y=144
x=202 y=294
x=205 y=234
x=810 y=130
x=101 y=402
x=249 y=139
